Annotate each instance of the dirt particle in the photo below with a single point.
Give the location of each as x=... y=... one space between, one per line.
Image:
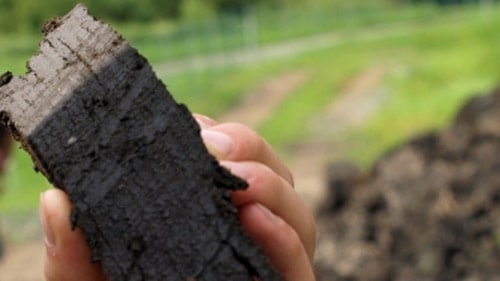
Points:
x=51 y=25
x=5 y=78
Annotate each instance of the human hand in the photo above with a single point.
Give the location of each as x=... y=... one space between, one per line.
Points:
x=270 y=210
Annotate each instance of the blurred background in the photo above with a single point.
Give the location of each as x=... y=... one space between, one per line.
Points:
x=321 y=80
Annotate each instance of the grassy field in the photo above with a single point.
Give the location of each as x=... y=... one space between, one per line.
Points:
x=435 y=66
x=436 y=59
x=262 y=27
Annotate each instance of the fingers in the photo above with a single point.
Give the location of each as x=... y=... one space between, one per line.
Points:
x=67 y=255
x=249 y=156
x=288 y=237
x=235 y=142
x=278 y=240
x=270 y=190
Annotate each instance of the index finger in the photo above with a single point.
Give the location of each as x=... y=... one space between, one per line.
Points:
x=236 y=142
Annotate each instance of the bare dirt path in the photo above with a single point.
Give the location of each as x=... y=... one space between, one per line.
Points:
x=23 y=262
x=260 y=103
x=360 y=98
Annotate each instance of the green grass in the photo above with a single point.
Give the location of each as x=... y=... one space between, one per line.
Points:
x=22 y=185
x=437 y=65
x=14 y=52
x=444 y=67
x=263 y=27
x=289 y=123
x=434 y=65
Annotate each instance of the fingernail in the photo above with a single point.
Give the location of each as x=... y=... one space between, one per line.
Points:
x=220 y=142
x=238 y=169
x=268 y=212
x=203 y=121
x=50 y=240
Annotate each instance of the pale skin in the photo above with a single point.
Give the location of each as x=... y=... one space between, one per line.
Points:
x=270 y=210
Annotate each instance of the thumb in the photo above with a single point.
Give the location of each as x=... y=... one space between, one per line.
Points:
x=67 y=255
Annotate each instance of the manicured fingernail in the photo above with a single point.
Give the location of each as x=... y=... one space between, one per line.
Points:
x=50 y=240
x=220 y=142
x=268 y=212
x=203 y=121
x=238 y=169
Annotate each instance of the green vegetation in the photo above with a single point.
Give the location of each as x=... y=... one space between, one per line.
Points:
x=22 y=186
x=435 y=58
x=28 y=15
x=261 y=27
x=433 y=67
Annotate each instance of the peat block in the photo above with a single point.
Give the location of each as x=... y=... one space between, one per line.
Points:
x=152 y=202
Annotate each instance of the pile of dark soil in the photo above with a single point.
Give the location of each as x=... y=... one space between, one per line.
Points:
x=428 y=210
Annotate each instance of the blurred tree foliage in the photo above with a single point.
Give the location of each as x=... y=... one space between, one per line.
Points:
x=238 y=6
x=451 y=2
x=29 y=15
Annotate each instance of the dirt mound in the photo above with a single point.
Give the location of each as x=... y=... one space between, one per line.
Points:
x=429 y=210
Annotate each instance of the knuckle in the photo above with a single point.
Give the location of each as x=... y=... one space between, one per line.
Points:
x=309 y=235
x=295 y=246
x=249 y=142
x=311 y=227
x=289 y=177
x=261 y=175
x=49 y=272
